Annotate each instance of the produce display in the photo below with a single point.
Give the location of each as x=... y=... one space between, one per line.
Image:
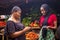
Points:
x=3 y=19
x=32 y=35
x=34 y=24
x=2 y=23
x=26 y=21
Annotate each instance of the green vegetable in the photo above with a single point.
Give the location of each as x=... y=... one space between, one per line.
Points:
x=26 y=21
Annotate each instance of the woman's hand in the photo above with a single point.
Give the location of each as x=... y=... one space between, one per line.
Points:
x=48 y=27
x=27 y=29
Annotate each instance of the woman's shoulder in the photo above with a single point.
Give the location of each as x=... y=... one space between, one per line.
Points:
x=10 y=22
x=53 y=14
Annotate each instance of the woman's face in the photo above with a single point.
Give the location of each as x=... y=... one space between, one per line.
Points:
x=17 y=14
x=43 y=11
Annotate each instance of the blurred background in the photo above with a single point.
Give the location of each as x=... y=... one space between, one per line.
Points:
x=30 y=8
x=30 y=11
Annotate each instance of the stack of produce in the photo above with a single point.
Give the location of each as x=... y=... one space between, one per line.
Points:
x=26 y=21
x=34 y=24
x=32 y=36
x=2 y=23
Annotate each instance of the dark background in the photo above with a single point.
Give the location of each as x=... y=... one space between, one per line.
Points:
x=6 y=6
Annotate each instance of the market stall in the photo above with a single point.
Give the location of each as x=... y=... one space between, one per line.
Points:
x=30 y=14
x=3 y=20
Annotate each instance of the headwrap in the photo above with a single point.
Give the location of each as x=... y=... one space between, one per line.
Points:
x=16 y=8
x=47 y=9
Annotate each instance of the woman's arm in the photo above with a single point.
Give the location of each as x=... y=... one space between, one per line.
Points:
x=54 y=21
x=11 y=31
x=55 y=25
x=18 y=33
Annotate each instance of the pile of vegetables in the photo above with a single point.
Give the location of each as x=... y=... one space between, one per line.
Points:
x=34 y=24
x=26 y=21
x=32 y=35
x=2 y=23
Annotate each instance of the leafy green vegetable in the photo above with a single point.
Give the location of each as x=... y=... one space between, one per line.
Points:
x=26 y=21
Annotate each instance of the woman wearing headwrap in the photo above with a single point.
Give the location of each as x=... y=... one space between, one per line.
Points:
x=47 y=22
x=15 y=30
